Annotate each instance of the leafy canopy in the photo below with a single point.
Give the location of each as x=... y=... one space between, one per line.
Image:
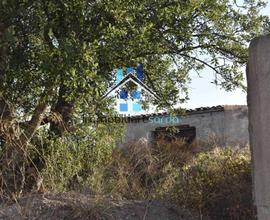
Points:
x=72 y=46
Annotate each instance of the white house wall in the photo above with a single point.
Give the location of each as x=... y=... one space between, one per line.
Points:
x=230 y=126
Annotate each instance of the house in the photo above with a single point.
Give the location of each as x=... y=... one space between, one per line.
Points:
x=228 y=124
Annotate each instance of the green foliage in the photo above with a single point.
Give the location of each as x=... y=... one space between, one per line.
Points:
x=57 y=56
x=73 y=159
x=76 y=44
x=62 y=162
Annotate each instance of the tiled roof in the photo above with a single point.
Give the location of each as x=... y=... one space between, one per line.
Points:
x=201 y=110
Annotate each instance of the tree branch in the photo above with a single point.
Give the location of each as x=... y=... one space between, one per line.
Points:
x=33 y=124
x=199 y=60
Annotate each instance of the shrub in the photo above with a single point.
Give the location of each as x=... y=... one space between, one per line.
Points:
x=218 y=183
x=70 y=162
x=145 y=171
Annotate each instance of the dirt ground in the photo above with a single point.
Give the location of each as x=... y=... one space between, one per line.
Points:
x=79 y=206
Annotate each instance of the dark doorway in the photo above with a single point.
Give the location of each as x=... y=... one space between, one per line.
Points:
x=173 y=133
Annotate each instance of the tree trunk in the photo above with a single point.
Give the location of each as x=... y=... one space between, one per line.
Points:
x=14 y=156
x=63 y=110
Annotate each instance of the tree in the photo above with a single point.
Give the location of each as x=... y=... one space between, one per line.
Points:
x=57 y=56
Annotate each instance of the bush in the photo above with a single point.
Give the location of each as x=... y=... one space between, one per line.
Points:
x=145 y=171
x=71 y=162
x=214 y=183
x=218 y=184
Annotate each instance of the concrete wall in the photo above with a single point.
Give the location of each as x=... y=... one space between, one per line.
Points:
x=229 y=126
x=236 y=125
x=258 y=75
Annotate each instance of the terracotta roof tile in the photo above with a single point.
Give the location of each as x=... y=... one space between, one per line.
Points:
x=200 y=110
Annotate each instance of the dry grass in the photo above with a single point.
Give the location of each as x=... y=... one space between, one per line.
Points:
x=75 y=206
x=217 y=183
x=196 y=177
x=141 y=170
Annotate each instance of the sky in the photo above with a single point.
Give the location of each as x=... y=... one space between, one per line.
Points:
x=202 y=93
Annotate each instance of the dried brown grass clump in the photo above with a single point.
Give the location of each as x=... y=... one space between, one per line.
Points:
x=144 y=170
x=216 y=183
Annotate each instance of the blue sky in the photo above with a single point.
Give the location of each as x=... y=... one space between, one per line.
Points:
x=202 y=93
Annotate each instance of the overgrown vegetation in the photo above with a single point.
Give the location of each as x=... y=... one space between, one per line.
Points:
x=215 y=183
x=71 y=161
x=212 y=181
x=57 y=59
x=218 y=184
x=56 y=62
